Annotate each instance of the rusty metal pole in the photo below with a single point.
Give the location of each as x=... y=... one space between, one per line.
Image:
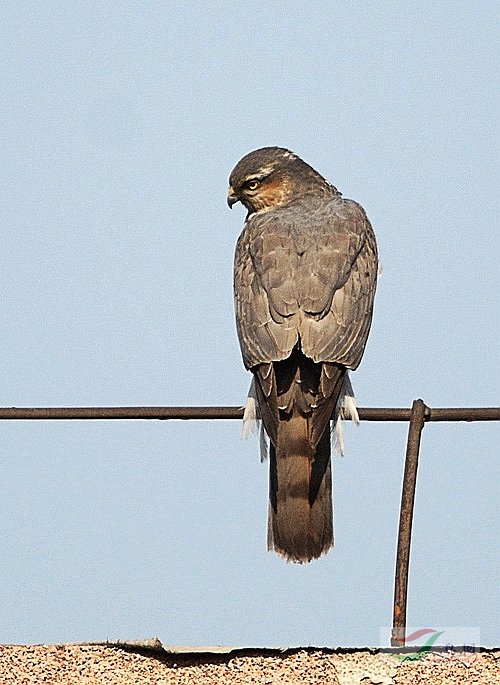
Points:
x=417 y=421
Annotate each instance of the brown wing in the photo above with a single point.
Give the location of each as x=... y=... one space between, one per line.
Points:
x=338 y=331
x=308 y=273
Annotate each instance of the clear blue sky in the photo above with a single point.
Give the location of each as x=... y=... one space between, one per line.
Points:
x=120 y=123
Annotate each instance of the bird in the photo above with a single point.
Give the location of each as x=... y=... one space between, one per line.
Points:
x=305 y=275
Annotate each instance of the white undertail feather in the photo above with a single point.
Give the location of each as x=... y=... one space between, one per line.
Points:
x=346 y=407
x=250 y=421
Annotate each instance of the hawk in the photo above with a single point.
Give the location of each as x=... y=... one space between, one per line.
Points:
x=305 y=274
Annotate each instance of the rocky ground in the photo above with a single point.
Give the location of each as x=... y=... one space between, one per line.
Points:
x=103 y=664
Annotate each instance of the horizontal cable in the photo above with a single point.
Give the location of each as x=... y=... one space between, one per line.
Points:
x=186 y=413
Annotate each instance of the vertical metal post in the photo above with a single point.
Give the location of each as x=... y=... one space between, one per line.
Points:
x=417 y=421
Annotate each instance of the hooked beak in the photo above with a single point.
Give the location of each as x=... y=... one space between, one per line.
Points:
x=232 y=197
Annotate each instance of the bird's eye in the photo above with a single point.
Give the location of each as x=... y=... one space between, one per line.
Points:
x=253 y=184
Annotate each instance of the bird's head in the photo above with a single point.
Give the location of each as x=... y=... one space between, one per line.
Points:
x=268 y=178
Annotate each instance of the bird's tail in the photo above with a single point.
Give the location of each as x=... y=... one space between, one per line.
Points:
x=297 y=400
x=300 y=525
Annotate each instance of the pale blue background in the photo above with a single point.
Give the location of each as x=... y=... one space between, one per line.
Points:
x=120 y=123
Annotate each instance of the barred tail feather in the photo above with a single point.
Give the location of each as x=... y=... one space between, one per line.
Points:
x=300 y=524
x=300 y=405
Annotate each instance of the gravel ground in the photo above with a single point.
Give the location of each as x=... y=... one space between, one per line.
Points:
x=104 y=665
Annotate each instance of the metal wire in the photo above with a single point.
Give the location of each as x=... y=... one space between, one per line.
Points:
x=197 y=413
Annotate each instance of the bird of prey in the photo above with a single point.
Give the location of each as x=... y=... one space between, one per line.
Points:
x=305 y=274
